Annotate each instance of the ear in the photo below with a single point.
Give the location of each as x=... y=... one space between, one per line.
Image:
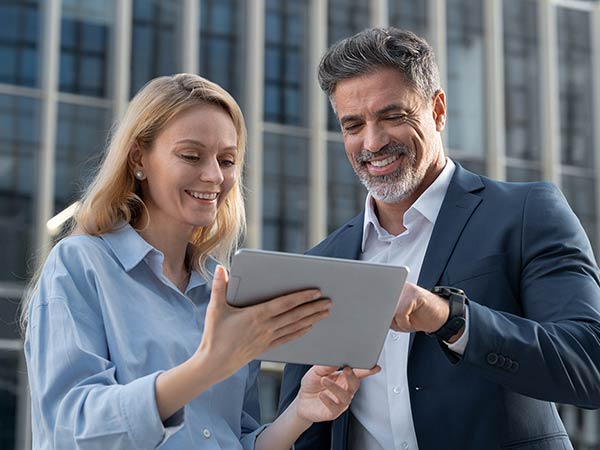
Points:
x=439 y=110
x=136 y=158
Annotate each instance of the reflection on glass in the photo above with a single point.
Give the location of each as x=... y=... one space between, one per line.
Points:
x=344 y=18
x=85 y=46
x=466 y=91
x=410 y=15
x=155 y=45
x=9 y=391
x=580 y=192
x=285 y=61
x=221 y=43
x=81 y=136
x=19 y=142
x=576 y=80
x=521 y=80
x=522 y=174
x=345 y=193
x=19 y=37
x=285 y=197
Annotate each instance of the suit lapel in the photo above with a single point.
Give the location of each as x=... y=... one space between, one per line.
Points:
x=458 y=206
x=348 y=244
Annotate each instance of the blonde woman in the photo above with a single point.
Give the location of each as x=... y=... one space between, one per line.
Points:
x=130 y=343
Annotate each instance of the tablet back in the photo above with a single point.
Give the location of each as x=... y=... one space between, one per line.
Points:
x=364 y=297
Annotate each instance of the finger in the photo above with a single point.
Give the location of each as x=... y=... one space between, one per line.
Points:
x=218 y=292
x=332 y=406
x=298 y=324
x=280 y=305
x=289 y=337
x=302 y=312
x=343 y=395
x=364 y=373
x=323 y=371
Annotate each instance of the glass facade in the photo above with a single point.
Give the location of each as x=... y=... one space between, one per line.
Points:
x=72 y=119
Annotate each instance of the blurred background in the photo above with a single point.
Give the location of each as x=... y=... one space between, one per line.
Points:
x=522 y=86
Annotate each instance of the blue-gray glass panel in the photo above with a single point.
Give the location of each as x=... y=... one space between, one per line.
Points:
x=155 y=48
x=285 y=193
x=521 y=80
x=466 y=80
x=19 y=37
x=581 y=194
x=410 y=15
x=222 y=29
x=85 y=48
x=344 y=18
x=285 y=61
x=81 y=138
x=575 y=73
x=345 y=193
x=19 y=143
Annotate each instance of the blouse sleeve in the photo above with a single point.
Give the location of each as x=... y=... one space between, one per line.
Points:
x=76 y=401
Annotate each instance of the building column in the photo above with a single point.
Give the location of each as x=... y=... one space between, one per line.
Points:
x=549 y=98
x=317 y=122
x=253 y=101
x=495 y=120
x=49 y=68
x=379 y=12
x=190 y=36
x=122 y=56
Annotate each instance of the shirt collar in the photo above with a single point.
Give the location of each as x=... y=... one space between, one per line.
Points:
x=131 y=249
x=428 y=204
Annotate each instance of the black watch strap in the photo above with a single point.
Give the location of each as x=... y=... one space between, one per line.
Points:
x=457 y=301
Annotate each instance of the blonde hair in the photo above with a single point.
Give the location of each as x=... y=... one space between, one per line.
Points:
x=114 y=194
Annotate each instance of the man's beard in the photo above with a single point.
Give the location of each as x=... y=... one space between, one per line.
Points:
x=393 y=187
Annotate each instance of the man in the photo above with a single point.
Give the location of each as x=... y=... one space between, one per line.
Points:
x=478 y=370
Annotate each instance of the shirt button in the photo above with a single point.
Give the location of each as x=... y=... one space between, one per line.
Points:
x=397 y=390
x=206 y=433
x=404 y=445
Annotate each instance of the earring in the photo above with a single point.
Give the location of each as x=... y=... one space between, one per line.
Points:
x=139 y=174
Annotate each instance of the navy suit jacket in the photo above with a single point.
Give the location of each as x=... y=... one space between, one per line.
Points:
x=525 y=263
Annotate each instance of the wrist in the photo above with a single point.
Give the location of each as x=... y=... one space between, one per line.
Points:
x=451 y=330
x=302 y=422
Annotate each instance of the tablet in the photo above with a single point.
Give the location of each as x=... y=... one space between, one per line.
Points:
x=364 y=297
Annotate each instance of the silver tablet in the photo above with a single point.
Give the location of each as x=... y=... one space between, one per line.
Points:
x=364 y=297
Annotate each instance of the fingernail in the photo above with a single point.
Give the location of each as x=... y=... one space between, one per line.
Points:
x=316 y=295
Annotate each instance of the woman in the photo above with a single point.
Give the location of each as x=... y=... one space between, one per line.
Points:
x=129 y=343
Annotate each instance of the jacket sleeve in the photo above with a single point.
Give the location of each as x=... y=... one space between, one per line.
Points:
x=77 y=402
x=552 y=351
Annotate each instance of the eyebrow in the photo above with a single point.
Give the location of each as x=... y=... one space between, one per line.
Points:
x=201 y=144
x=380 y=112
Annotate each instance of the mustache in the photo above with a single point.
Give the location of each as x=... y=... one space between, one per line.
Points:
x=390 y=149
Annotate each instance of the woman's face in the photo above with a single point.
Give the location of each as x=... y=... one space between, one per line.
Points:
x=190 y=168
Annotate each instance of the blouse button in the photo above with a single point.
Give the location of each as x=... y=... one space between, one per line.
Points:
x=206 y=433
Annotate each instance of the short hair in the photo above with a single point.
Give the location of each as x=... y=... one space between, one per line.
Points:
x=376 y=48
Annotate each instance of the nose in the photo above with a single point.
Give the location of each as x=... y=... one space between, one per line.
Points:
x=375 y=138
x=212 y=173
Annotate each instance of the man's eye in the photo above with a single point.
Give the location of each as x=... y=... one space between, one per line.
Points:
x=352 y=127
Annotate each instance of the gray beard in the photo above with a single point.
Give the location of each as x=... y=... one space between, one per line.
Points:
x=393 y=187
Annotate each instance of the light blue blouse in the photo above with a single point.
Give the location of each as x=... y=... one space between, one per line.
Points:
x=103 y=324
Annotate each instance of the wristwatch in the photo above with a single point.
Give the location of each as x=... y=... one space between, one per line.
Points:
x=457 y=301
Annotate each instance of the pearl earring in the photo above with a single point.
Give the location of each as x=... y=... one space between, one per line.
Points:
x=139 y=174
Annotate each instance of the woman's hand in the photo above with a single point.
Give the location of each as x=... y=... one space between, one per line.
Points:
x=235 y=336
x=326 y=392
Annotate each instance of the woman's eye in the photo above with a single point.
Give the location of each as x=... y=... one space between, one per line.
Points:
x=191 y=158
x=227 y=163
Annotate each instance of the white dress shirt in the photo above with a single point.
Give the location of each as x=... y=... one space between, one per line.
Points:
x=381 y=417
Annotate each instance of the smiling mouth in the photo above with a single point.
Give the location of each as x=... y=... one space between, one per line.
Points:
x=203 y=195
x=384 y=162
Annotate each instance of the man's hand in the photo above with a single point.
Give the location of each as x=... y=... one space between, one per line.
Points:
x=420 y=310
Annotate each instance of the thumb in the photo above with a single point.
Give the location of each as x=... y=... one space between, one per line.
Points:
x=219 y=285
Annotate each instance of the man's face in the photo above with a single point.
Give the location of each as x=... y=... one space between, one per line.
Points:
x=390 y=133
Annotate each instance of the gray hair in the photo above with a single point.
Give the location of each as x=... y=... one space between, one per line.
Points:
x=376 y=48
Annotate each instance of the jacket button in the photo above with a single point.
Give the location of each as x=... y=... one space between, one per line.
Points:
x=492 y=358
x=507 y=363
x=514 y=366
x=501 y=360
